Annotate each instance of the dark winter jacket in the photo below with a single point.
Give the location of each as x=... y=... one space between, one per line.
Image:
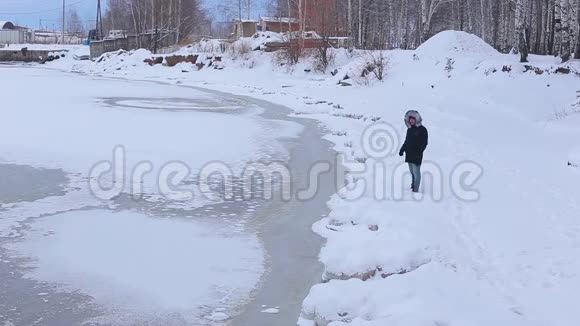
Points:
x=416 y=139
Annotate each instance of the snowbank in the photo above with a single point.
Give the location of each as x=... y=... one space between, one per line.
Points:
x=454 y=43
x=260 y=39
x=81 y=53
x=210 y=46
x=45 y=47
x=360 y=243
x=123 y=59
x=434 y=294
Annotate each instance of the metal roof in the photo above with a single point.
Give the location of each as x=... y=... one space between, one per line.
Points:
x=236 y=20
x=280 y=20
x=6 y=25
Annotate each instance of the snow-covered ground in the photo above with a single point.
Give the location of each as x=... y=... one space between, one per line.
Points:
x=495 y=238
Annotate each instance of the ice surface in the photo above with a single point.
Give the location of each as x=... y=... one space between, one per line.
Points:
x=271 y=311
x=137 y=266
x=80 y=127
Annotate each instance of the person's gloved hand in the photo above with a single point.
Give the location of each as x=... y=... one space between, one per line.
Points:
x=401 y=153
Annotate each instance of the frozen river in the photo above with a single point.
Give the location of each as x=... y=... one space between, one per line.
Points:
x=103 y=220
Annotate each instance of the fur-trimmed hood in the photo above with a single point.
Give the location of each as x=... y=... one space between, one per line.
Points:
x=414 y=114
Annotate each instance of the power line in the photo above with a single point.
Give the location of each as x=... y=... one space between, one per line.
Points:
x=60 y=21
x=43 y=11
x=99 y=26
x=63 y=19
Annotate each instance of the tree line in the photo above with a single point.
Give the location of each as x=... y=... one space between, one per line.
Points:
x=523 y=26
x=184 y=17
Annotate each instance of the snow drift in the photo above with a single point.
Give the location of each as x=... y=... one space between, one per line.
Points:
x=453 y=43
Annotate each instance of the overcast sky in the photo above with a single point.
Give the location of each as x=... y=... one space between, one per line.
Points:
x=33 y=13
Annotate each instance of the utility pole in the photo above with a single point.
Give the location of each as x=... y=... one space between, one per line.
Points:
x=63 y=6
x=99 y=28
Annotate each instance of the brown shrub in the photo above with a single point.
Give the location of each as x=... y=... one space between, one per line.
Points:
x=154 y=61
x=175 y=59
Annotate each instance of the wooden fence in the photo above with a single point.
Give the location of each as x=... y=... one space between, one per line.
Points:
x=151 y=41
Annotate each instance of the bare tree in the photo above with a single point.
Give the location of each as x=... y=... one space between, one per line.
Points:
x=74 y=23
x=183 y=17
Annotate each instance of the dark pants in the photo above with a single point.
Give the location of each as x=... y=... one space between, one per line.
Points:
x=415 y=170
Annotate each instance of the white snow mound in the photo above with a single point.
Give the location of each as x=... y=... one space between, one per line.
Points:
x=453 y=42
x=258 y=40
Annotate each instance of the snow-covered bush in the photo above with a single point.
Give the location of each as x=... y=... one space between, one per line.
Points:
x=377 y=63
x=212 y=46
x=289 y=56
x=370 y=66
x=240 y=50
x=324 y=56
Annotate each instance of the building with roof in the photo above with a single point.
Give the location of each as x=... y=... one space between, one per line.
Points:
x=245 y=27
x=12 y=34
x=279 y=24
x=6 y=25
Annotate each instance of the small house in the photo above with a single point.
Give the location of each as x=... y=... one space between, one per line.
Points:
x=245 y=27
x=12 y=34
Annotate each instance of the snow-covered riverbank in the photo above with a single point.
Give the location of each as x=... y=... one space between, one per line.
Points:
x=497 y=249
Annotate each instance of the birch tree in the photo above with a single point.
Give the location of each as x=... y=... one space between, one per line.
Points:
x=74 y=23
x=577 y=50
x=566 y=37
x=521 y=26
x=521 y=46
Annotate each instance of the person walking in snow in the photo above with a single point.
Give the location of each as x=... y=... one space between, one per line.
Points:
x=414 y=146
